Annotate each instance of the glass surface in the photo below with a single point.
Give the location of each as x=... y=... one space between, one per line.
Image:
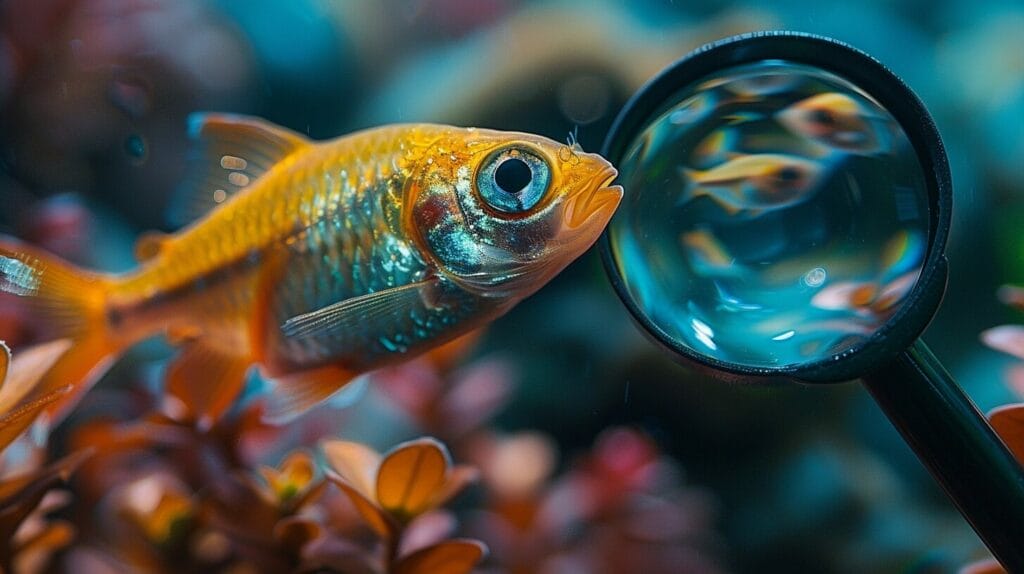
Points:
x=776 y=215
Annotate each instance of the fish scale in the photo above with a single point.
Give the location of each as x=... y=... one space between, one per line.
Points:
x=275 y=208
x=361 y=250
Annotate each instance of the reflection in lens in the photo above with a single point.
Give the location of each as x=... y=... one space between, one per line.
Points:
x=775 y=216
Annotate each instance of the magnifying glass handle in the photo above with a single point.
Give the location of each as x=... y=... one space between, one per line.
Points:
x=960 y=449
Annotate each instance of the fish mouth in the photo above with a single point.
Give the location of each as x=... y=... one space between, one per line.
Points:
x=602 y=200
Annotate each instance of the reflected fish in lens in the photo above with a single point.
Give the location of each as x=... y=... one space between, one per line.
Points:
x=780 y=199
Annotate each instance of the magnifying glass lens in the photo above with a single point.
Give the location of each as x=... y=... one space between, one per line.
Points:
x=775 y=215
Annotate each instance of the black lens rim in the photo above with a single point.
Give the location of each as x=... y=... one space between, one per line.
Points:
x=895 y=96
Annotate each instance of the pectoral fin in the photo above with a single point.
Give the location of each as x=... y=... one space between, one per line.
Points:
x=297 y=393
x=206 y=380
x=357 y=312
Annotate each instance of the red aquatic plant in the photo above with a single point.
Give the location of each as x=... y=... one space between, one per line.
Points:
x=392 y=491
x=1007 y=420
x=619 y=508
x=28 y=489
x=161 y=492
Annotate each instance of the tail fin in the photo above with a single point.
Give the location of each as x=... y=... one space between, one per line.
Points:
x=691 y=188
x=64 y=302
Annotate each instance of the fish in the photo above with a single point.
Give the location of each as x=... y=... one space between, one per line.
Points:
x=869 y=298
x=756 y=182
x=316 y=261
x=706 y=253
x=749 y=88
x=836 y=120
x=693 y=110
x=741 y=117
x=715 y=147
x=760 y=86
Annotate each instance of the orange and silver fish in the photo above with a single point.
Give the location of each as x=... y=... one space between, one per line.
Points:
x=317 y=261
x=716 y=148
x=838 y=121
x=706 y=253
x=870 y=298
x=899 y=268
x=757 y=182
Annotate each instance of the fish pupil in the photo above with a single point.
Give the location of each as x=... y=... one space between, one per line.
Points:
x=822 y=117
x=789 y=174
x=513 y=175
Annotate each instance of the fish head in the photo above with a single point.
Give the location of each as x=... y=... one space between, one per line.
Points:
x=501 y=213
x=778 y=180
x=824 y=115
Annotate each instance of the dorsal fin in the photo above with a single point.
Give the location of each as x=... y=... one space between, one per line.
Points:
x=149 y=245
x=229 y=152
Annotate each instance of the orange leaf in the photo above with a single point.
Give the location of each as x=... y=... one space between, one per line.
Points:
x=51 y=538
x=111 y=437
x=5 y=359
x=356 y=463
x=15 y=422
x=1006 y=338
x=426 y=530
x=410 y=477
x=459 y=478
x=295 y=475
x=1008 y=422
x=451 y=557
x=11 y=486
x=15 y=508
x=25 y=370
x=380 y=523
x=298 y=467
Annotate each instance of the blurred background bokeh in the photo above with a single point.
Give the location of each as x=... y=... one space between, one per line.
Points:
x=94 y=97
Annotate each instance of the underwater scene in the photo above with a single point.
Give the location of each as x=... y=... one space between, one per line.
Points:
x=317 y=285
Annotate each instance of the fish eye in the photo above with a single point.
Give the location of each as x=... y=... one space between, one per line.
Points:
x=789 y=173
x=513 y=180
x=822 y=117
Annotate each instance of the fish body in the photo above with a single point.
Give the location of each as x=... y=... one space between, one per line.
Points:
x=868 y=298
x=836 y=120
x=694 y=109
x=318 y=261
x=716 y=147
x=758 y=182
x=706 y=254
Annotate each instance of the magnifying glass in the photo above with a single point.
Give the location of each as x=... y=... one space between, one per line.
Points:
x=787 y=204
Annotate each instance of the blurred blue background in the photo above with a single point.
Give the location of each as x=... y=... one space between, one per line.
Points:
x=94 y=96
